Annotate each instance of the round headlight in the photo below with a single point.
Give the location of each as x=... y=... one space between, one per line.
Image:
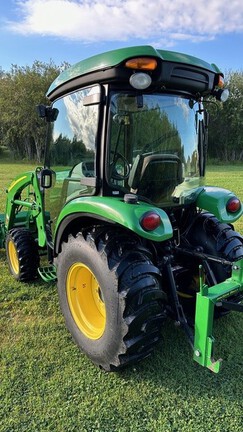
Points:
x=224 y=95
x=140 y=80
x=221 y=94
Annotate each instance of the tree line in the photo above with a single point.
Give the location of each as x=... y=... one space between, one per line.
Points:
x=23 y=133
x=21 y=90
x=226 y=123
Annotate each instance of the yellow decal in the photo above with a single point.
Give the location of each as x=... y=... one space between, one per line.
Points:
x=16 y=182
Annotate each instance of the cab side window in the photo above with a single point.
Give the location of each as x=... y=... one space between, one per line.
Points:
x=73 y=147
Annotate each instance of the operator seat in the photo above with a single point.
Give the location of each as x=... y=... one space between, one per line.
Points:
x=155 y=176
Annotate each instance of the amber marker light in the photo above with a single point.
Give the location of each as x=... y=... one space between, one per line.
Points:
x=141 y=63
x=150 y=221
x=220 y=81
x=233 y=205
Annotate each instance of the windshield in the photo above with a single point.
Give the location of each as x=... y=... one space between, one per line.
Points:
x=153 y=144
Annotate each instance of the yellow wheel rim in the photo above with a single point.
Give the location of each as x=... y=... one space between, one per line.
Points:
x=85 y=301
x=13 y=257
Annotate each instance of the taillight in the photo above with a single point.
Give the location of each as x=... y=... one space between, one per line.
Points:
x=150 y=221
x=233 y=205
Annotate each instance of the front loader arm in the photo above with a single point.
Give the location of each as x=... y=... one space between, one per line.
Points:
x=33 y=202
x=206 y=301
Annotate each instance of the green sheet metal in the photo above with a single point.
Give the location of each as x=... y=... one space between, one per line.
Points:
x=113 y=58
x=117 y=211
x=214 y=200
x=206 y=300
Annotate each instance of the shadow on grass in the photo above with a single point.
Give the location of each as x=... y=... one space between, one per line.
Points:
x=172 y=363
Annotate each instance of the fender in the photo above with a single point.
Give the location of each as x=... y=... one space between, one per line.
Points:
x=113 y=210
x=214 y=200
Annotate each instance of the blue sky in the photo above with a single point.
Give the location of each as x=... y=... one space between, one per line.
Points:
x=71 y=30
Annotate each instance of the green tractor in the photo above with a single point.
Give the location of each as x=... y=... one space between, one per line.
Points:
x=119 y=213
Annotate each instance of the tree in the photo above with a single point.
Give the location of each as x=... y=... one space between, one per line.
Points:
x=225 y=128
x=21 y=90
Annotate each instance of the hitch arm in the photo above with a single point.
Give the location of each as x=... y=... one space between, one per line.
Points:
x=237 y=307
x=207 y=298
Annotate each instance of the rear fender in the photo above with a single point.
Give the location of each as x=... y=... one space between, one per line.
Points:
x=114 y=211
x=214 y=200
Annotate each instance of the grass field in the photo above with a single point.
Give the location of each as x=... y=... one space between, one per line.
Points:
x=46 y=384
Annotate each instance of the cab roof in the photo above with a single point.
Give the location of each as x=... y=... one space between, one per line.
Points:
x=111 y=59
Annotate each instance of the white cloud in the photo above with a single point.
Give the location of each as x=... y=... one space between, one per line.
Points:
x=112 y=20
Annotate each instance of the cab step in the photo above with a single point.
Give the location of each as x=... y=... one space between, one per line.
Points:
x=48 y=273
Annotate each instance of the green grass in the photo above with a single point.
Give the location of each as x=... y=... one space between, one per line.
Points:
x=46 y=384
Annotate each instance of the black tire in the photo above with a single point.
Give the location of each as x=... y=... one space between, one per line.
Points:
x=127 y=285
x=216 y=239
x=22 y=254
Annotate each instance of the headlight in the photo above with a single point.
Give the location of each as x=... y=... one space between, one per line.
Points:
x=140 y=80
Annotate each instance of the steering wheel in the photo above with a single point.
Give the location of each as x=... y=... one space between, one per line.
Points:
x=120 y=168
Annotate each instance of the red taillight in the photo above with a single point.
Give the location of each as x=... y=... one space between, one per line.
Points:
x=233 y=205
x=150 y=221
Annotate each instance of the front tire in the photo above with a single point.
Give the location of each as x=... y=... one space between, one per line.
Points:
x=22 y=254
x=110 y=296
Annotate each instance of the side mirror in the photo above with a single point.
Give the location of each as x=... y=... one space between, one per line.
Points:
x=46 y=178
x=47 y=112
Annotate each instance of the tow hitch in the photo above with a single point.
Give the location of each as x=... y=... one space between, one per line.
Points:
x=207 y=300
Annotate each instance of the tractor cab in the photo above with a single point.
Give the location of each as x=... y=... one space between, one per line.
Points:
x=131 y=124
x=151 y=148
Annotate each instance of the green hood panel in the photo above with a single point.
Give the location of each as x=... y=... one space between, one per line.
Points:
x=115 y=210
x=214 y=200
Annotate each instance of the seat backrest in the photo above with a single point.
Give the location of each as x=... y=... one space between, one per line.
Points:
x=155 y=176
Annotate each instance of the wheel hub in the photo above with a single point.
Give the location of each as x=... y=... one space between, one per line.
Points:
x=86 y=301
x=13 y=257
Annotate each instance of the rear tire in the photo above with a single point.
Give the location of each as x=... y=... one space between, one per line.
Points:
x=110 y=296
x=22 y=254
x=217 y=239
